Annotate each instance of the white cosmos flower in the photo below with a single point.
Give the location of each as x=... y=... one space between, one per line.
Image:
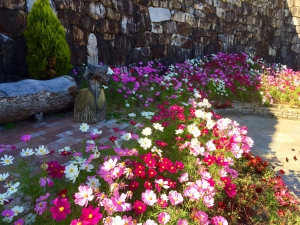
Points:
x=87 y=167
x=157 y=151
x=147 y=131
x=42 y=150
x=96 y=155
x=30 y=218
x=65 y=149
x=7 y=160
x=132 y=115
x=145 y=143
x=179 y=131
x=4 y=176
x=126 y=136
x=158 y=126
x=93 y=182
x=210 y=124
x=91 y=142
x=84 y=127
x=200 y=113
x=4 y=197
x=96 y=132
x=71 y=172
x=17 y=209
x=13 y=188
x=27 y=152
x=127 y=105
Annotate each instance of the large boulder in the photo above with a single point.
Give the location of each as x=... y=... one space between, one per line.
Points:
x=20 y=100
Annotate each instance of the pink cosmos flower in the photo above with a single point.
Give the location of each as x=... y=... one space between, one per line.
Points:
x=219 y=220
x=91 y=215
x=163 y=218
x=149 y=197
x=84 y=195
x=25 y=138
x=182 y=222
x=119 y=202
x=40 y=208
x=44 y=181
x=202 y=217
x=60 y=209
x=175 y=197
x=184 y=177
x=192 y=193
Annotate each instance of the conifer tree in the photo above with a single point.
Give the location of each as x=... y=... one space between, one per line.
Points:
x=48 y=52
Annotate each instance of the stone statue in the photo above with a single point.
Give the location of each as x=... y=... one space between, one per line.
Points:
x=90 y=103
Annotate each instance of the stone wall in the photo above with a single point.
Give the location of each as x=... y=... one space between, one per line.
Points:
x=130 y=31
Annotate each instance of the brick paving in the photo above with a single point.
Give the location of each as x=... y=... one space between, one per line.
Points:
x=55 y=133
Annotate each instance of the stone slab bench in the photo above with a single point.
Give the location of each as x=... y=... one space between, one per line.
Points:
x=21 y=100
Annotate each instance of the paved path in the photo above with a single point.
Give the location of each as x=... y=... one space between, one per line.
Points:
x=274 y=139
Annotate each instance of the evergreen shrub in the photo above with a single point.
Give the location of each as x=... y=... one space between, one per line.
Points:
x=48 y=52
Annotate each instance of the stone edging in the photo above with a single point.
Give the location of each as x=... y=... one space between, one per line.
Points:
x=276 y=111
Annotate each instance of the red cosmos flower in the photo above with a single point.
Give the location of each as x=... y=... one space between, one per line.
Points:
x=179 y=165
x=116 y=129
x=220 y=161
x=139 y=165
x=205 y=131
x=172 y=183
x=281 y=213
x=188 y=136
x=139 y=207
x=181 y=116
x=165 y=124
x=63 y=193
x=152 y=172
x=148 y=185
x=162 y=203
x=226 y=180
x=65 y=153
x=112 y=138
x=161 y=143
x=221 y=205
x=209 y=159
x=133 y=122
x=55 y=170
x=281 y=172
x=133 y=185
x=172 y=168
x=140 y=173
x=162 y=166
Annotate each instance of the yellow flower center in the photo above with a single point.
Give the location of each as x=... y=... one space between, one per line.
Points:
x=91 y=216
x=61 y=209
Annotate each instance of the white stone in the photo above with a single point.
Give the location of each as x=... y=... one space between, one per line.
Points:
x=29 y=4
x=159 y=14
x=92 y=50
x=97 y=10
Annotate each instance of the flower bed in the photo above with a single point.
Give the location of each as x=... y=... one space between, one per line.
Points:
x=180 y=163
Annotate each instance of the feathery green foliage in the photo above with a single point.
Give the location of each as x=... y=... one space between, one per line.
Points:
x=45 y=38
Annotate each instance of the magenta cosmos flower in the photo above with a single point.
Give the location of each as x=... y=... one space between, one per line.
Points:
x=19 y=222
x=25 y=138
x=60 y=209
x=84 y=195
x=91 y=215
x=182 y=222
